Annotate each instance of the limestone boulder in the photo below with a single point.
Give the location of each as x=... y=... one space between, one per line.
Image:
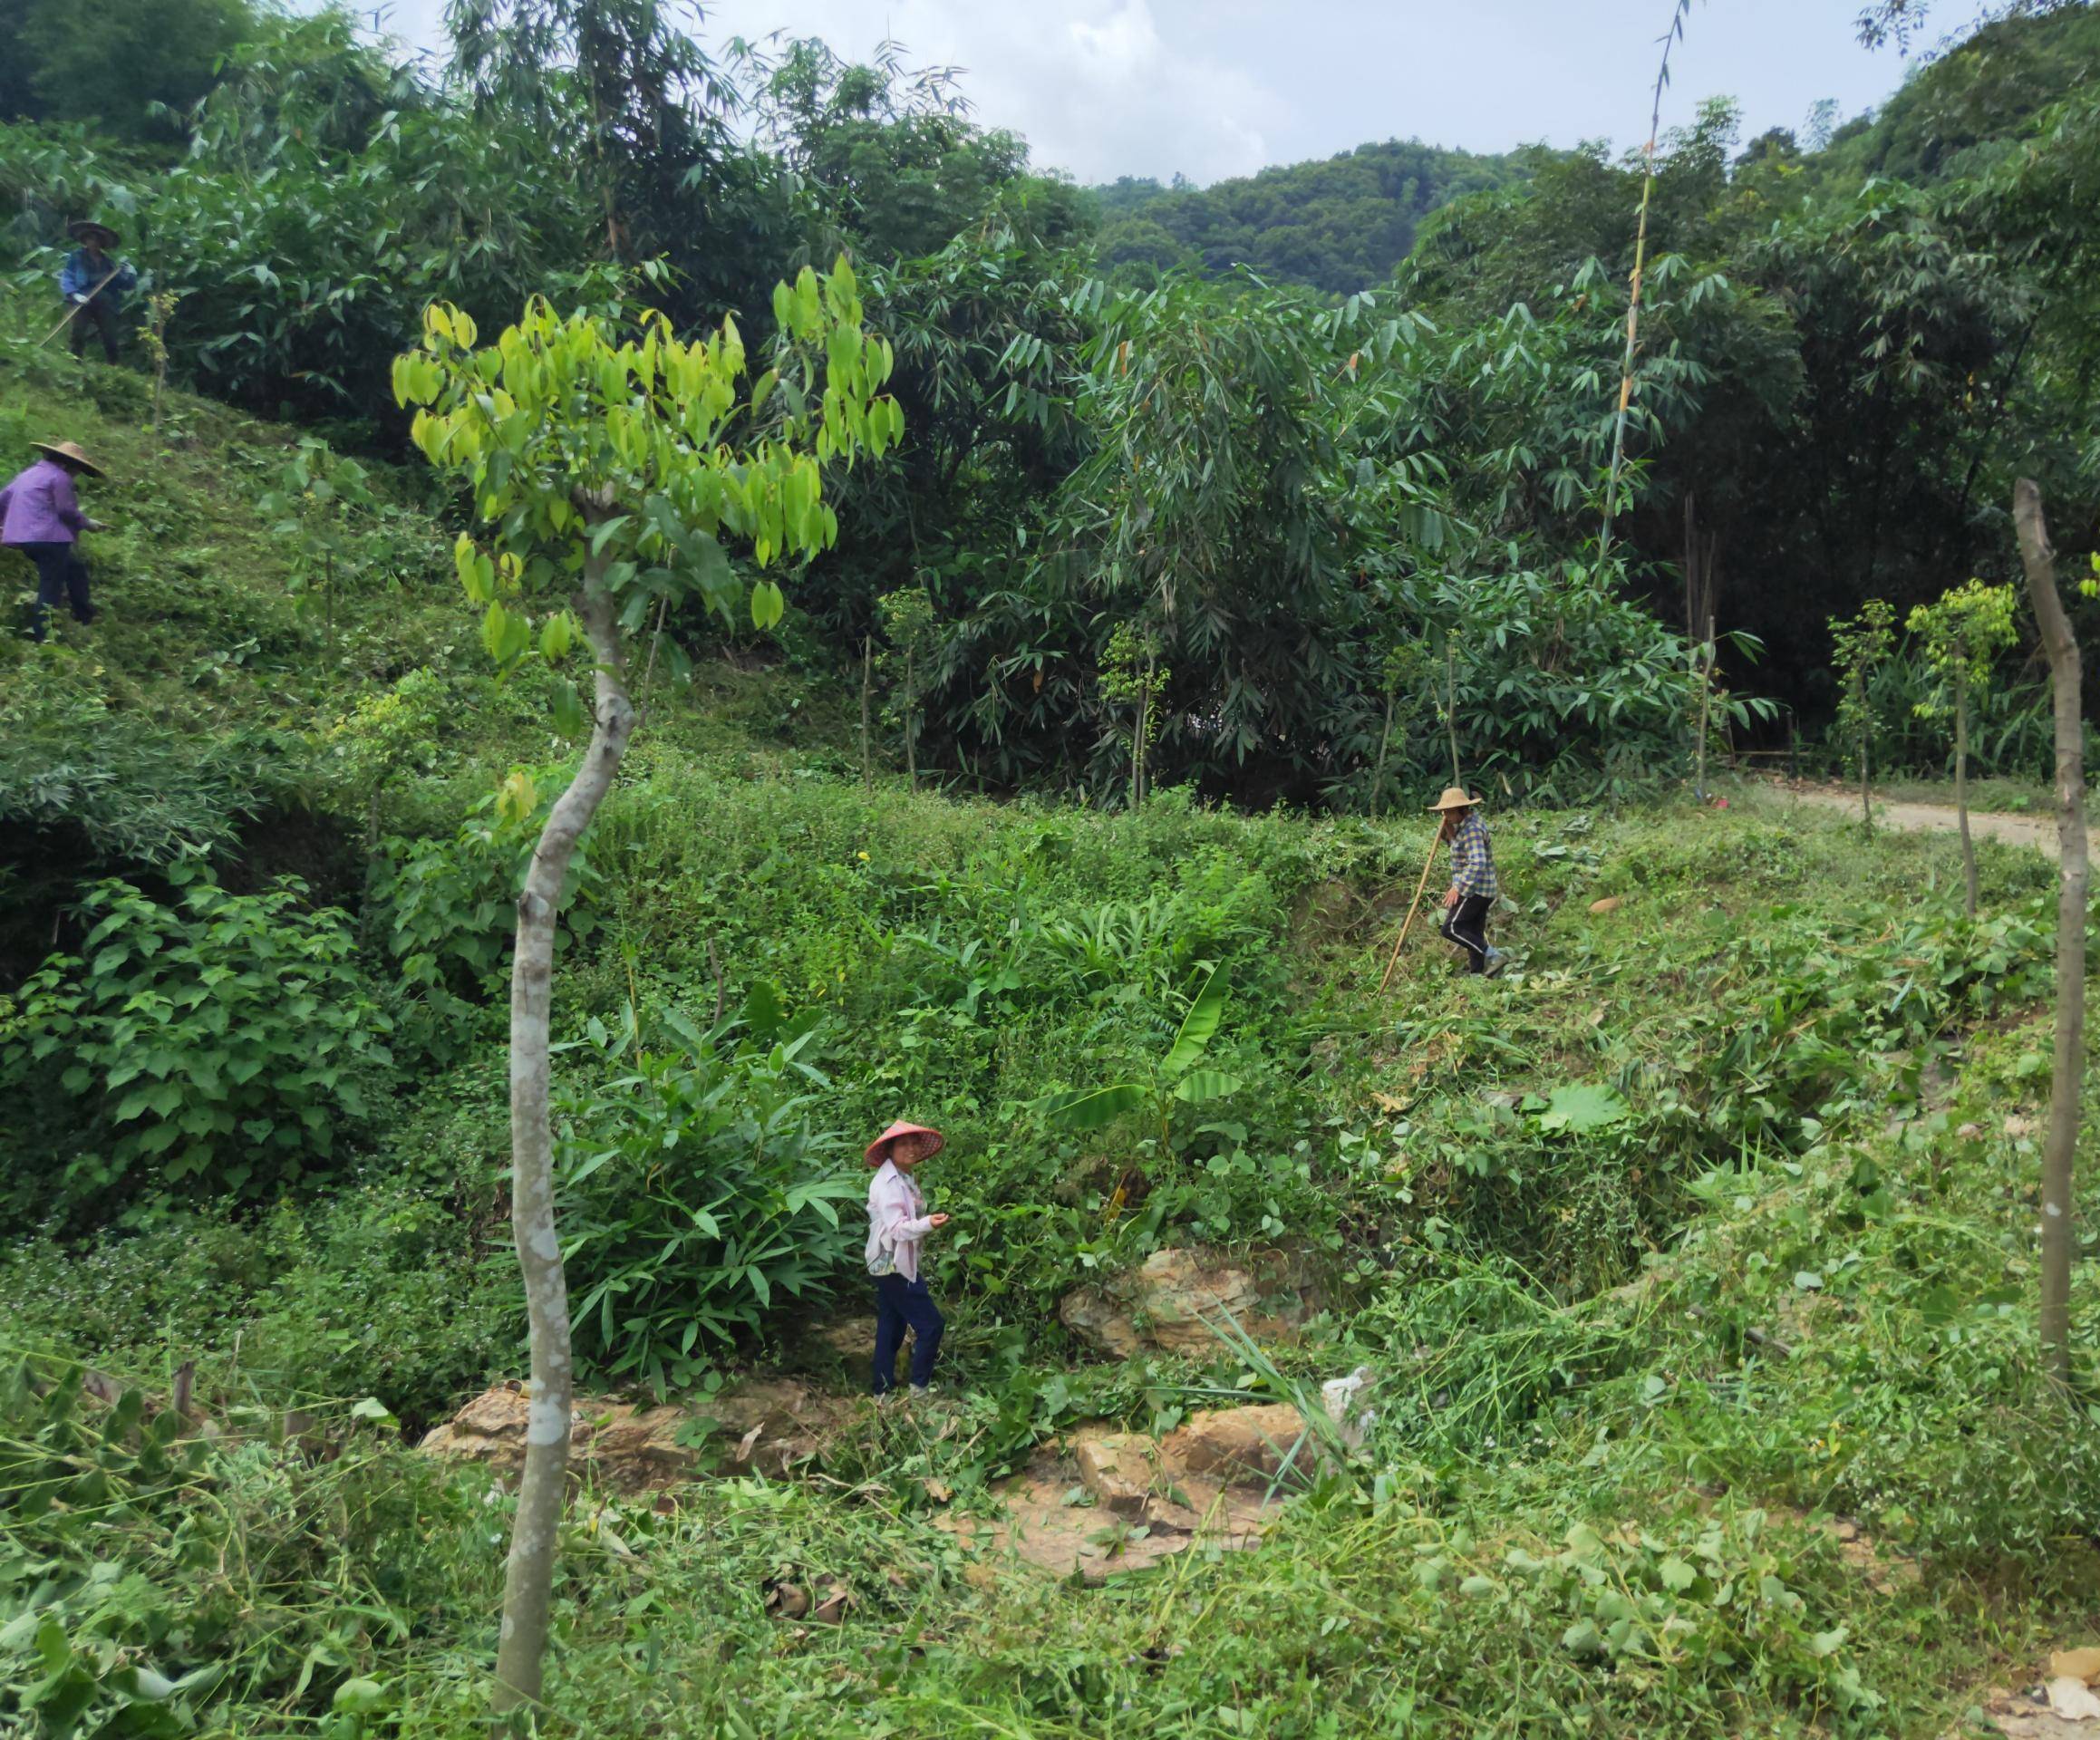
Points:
x=1240 y=1444
x=1170 y=1301
x=1119 y=1468
x=770 y=1425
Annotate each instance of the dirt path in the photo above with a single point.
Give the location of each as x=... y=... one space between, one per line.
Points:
x=1928 y=818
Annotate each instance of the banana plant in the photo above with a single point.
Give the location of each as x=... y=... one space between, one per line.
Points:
x=1173 y=1079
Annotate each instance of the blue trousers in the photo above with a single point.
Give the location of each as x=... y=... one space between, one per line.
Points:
x=899 y=1305
x=61 y=574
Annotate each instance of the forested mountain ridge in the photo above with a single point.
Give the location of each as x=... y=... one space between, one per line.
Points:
x=1340 y=224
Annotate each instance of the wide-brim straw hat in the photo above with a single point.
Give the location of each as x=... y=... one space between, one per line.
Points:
x=82 y=229
x=66 y=450
x=1454 y=799
x=878 y=1149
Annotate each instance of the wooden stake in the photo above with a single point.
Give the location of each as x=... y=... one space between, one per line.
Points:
x=1428 y=864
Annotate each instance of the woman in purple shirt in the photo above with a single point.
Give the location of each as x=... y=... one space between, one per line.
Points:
x=40 y=515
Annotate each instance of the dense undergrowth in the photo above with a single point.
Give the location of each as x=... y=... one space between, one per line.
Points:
x=1710 y=1222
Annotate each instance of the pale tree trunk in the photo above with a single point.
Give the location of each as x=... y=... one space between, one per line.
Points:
x=1859 y=681
x=528 y=1581
x=1378 y=777
x=2067 y=1071
x=867 y=704
x=1706 y=708
x=1451 y=704
x=1961 y=785
x=911 y=721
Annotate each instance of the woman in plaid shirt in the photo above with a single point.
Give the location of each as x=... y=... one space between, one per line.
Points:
x=1473 y=883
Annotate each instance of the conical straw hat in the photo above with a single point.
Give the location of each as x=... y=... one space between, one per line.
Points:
x=1454 y=799
x=67 y=451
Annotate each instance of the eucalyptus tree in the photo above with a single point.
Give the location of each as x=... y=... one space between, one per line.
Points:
x=608 y=473
x=2067 y=1074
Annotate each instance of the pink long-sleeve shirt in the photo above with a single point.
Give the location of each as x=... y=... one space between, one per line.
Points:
x=896 y=1220
x=39 y=506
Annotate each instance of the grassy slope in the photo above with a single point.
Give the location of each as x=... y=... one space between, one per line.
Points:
x=1590 y=1499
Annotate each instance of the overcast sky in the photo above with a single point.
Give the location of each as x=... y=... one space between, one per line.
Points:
x=1215 y=88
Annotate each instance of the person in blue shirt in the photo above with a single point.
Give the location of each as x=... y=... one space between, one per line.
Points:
x=94 y=284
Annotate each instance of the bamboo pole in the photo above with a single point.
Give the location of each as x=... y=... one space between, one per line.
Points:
x=1428 y=864
x=77 y=306
x=1670 y=38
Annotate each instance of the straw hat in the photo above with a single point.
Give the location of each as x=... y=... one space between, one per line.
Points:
x=66 y=450
x=82 y=229
x=878 y=1149
x=1454 y=799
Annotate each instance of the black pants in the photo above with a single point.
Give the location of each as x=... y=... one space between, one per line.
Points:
x=899 y=1305
x=1467 y=926
x=59 y=573
x=98 y=313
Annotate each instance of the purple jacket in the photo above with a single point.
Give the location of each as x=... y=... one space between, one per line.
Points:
x=38 y=507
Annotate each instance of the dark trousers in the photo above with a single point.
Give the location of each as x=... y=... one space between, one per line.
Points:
x=1467 y=926
x=899 y=1305
x=98 y=315
x=59 y=573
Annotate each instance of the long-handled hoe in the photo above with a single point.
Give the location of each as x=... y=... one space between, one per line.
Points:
x=1428 y=864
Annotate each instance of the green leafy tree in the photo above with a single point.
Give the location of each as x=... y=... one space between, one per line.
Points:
x=1132 y=676
x=607 y=472
x=1963 y=633
x=322 y=502
x=1858 y=646
x=132 y=69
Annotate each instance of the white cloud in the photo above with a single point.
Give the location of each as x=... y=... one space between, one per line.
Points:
x=1094 y=85
x=1215 y=88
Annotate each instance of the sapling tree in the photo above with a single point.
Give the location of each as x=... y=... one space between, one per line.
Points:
x=1858 y=645
x=324 y=505
x=607 y=474
x=1963 y=633
x=907 y=622
x=1132 y=676
x=1405 y=670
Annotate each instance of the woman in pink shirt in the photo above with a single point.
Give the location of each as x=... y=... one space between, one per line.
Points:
x=896 y=1223
x=40 y=515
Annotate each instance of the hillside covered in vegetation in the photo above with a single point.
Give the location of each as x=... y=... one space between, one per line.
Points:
x=1341 y=226
x=1014 y=682
x=1711 y=1223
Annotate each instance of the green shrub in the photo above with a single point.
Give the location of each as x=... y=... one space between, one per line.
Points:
x=448 y=909
x=699 y=1201
x=224 y=1043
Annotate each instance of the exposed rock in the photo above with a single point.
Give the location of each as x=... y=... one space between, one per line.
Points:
x=1164 y=1303
x=1119 y=1468
x=1041 y=1527
x=769 y=1425
x=1239 y=1443
x=1609 y=903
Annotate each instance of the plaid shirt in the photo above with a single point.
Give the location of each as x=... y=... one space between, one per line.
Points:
x=1472 y=861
